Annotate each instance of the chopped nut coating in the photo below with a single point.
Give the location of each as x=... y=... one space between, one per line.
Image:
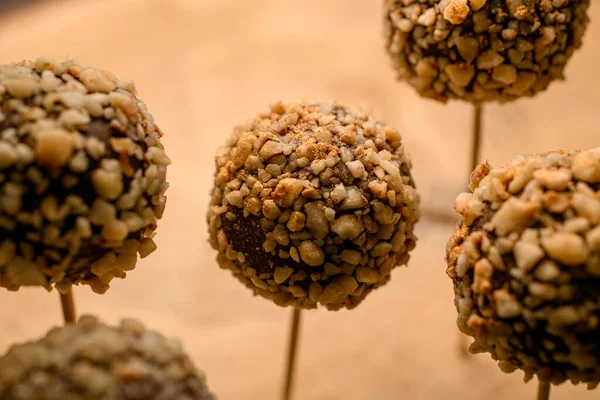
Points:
x=525 y=263
x=313 y=204
x=482 y=50
x=82 y=176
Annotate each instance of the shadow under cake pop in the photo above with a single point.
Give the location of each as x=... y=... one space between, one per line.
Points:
x=93 y=361
x=82 y=176
x=525 y=263
x=482 y=50
x=313 y=204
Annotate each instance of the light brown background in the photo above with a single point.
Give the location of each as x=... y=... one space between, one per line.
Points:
x=203 y=66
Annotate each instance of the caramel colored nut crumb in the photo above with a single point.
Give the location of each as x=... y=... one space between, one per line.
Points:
x=456 y=11
x=92 y=361
x=525 y=263
x=313 y=204
x=482 y=50
x=82 y=176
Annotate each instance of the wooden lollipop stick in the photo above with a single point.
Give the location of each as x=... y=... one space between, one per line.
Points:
x=477 y=133
x=291 y=358
x=68 y=307
x=543 y=391
x=475 y=151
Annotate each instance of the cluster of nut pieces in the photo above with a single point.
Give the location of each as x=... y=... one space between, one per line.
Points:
x=92 y=361
x=82 y=176
x=483 y=50
x=313 y=204
x=525 y=262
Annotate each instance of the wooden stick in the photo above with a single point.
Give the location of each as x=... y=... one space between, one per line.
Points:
x=292 y=350
x=477 y=133
x=68 y=307
x=543 y=391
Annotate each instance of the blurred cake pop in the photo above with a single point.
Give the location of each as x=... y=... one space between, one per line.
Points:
x=525 y=262
x=92 y=361
x=313 y=204
x=483 y=50
x=82 y=176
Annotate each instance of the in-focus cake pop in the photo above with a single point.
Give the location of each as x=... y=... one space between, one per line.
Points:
x=93 y=361
x=525 y=262
x=482 y=50
x=313 y=204
x=82 y=176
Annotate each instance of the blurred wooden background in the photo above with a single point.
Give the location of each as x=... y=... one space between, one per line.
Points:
x=203 y=66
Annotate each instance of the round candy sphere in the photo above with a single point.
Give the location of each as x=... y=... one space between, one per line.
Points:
x=92 y=361
x=82 y=176
x=313 y=204
x=525 y=262
x=483 y=50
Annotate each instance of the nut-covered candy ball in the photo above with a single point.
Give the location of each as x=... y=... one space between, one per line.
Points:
x=93 y=361
x=525 y=263
x=313 y=204
x=483 y=50
x=82 y=176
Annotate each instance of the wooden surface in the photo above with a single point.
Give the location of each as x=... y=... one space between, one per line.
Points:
x=203 y=66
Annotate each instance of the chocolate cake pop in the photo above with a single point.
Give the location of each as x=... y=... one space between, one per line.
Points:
x=313 y=204
x=483 y=50
x=525 y=263
x=82 y=176
x=92 y=361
